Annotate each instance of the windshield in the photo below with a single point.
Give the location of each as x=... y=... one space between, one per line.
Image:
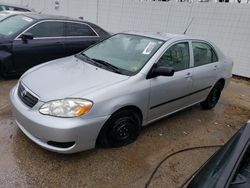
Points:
x=128 y=53
x=14 y=24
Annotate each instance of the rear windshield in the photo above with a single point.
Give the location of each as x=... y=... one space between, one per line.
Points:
x=14 y=24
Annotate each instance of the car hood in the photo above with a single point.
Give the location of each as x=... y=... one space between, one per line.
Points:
x=68 y=77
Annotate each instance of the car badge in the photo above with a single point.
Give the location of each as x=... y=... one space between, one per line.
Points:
x=23 y=93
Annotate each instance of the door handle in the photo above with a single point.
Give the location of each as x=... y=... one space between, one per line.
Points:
x=188 y=75
x=215 y=67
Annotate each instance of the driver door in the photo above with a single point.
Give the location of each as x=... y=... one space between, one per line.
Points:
x=168 y=94
x=47 y=44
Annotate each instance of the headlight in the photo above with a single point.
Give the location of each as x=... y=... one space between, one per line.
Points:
x=66 y=107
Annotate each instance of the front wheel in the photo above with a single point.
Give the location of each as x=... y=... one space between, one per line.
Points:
x=121 y=129
x=213 y=97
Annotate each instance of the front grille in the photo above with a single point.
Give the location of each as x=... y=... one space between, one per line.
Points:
x=26 y=97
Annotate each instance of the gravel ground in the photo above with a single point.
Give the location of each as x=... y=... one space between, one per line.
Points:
x=25 y=164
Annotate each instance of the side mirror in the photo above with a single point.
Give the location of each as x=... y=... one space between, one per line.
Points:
x=161 y=71
x=27 y=36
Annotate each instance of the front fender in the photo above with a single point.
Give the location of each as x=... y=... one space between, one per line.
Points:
x=6 y=62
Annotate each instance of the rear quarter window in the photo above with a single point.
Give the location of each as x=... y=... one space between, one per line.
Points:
x=78 y=29
x=203 y=54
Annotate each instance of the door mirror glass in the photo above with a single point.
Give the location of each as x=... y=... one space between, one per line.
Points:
x=27 y=36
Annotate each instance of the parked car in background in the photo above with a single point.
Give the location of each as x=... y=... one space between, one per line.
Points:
x=229 y=166
x=29 y=39
x=104 y=94
x=8 y=13
x=11 y=7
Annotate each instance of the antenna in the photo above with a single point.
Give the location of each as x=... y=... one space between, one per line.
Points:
x=188 y=26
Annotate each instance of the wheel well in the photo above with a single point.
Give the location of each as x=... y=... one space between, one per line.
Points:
x=222 y=81
x=132 y=108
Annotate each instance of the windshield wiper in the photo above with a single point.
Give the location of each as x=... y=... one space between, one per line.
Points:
x=86 y=58
x=100 y=63
x=106 y=64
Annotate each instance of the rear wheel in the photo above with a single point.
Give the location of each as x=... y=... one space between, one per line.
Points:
x=213 y=96
x=121 y=129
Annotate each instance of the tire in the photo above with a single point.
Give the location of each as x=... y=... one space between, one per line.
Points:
x=213 y=97
x=121 y=129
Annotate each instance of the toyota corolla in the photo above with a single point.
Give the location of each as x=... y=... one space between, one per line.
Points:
x=105 y=94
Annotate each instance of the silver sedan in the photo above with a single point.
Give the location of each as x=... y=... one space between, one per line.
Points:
x=105 y=94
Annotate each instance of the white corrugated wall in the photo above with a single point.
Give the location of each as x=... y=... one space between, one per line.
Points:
x=226 y=24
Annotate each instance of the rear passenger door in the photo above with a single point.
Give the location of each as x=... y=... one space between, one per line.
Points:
x=79 y=36
x=168 y=94
x=206 y=69
x=48 y=44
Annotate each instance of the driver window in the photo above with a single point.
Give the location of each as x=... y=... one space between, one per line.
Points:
x=177 y=57
x=47 y=29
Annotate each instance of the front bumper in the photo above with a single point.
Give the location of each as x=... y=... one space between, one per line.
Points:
x=44 y=129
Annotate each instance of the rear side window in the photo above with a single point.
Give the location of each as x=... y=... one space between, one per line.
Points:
x=203 y=54
x=20 y=9
x=77 y=29
x=47 y=29
x=9 y=8
x=177 y=57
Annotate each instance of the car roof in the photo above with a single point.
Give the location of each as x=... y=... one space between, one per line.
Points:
x=160 y=35
x=39 y=17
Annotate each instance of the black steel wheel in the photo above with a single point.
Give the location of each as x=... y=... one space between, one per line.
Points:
x=213 y=96
x=121 y=129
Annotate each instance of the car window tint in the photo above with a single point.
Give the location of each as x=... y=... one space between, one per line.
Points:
x=177 y=56
x=2 y=8
x=75 y=29
x=203 y=54
x=20 y=9
x=47 y=29
x=10 y=8
x=243 y=170
x=14 y=24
